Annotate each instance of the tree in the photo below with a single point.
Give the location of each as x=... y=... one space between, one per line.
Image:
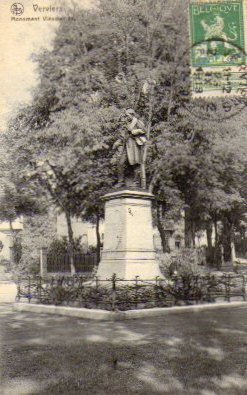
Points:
x=117 y=59
x=80 y=100
x=8 y=207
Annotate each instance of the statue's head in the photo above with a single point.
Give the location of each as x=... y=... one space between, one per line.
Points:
x=130 y=113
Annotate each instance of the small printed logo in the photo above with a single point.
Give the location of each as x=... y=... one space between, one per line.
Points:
x=17 y=9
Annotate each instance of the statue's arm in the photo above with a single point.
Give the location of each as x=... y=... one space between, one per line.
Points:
x=132 y=124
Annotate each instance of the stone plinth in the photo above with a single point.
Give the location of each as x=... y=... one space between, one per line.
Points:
x=128 y=240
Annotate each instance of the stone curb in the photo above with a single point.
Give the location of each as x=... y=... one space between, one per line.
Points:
x=103 y=315
x=8 y=281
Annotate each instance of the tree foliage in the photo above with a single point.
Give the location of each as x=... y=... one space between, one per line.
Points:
x=128 y=54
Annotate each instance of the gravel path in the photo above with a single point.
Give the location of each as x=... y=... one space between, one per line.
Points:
x=202 y=353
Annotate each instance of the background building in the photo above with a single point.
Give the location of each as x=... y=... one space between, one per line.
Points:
x=7 y=237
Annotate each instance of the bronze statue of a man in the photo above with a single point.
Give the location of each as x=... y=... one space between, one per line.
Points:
x=131 y=146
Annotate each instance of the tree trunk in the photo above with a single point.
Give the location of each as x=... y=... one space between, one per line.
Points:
x=162 y=232
x=227 y=239
x=12 y=241
x=11 y=226
x=12 y=231
x=71 y=242
x=217 y=251
x=145 y=149
x=143 y=176
x=193 y=235
x=216 y=233
x=98 y=238
x=210 y=250
x=153 y=182
x=188 y=231
x=209 y=232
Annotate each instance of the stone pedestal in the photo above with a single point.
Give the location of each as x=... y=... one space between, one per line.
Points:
x=128 y=240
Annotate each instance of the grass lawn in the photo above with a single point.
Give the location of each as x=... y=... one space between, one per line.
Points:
x=203 y=353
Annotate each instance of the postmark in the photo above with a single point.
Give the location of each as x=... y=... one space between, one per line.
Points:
x=218 y=47
x=215 y=109
x=200 y=97
x=17 y=9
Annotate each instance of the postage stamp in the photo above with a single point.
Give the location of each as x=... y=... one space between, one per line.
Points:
x=218 y=32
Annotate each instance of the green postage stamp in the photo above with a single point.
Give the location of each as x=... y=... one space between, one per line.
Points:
x=218 y=31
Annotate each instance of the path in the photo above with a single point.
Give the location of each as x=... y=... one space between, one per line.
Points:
x=8 y=288
x=191 y=353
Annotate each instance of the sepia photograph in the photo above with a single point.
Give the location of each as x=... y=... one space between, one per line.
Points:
x=123 y=197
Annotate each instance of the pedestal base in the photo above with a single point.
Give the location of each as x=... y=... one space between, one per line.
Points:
x=128 y=242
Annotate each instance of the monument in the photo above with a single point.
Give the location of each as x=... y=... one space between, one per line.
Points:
x=128 y=240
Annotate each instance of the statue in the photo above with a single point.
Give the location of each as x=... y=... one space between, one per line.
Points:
x=131 y=146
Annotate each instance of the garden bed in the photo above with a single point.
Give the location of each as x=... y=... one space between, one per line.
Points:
x=119 y=295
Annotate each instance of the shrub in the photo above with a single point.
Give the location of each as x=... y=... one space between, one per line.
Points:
x=38 y=232
x=185 y=262
x=165 y=263
x=61 y=246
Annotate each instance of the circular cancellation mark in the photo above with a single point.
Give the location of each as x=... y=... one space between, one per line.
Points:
x=217 y=108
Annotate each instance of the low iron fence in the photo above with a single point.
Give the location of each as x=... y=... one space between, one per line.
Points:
x=116 y=294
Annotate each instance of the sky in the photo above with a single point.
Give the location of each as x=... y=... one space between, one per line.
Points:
x=18 y=41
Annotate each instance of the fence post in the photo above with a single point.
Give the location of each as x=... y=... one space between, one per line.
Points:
x=43 y=262
x=114 y=279
x=18 y=296
x=196 y=290
x=209 y=282
x=156 y=291
x=39 y=288
x=96 y=288
x=29 y=289
x=136 y=291
x=244 y=287
x=228 y=287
